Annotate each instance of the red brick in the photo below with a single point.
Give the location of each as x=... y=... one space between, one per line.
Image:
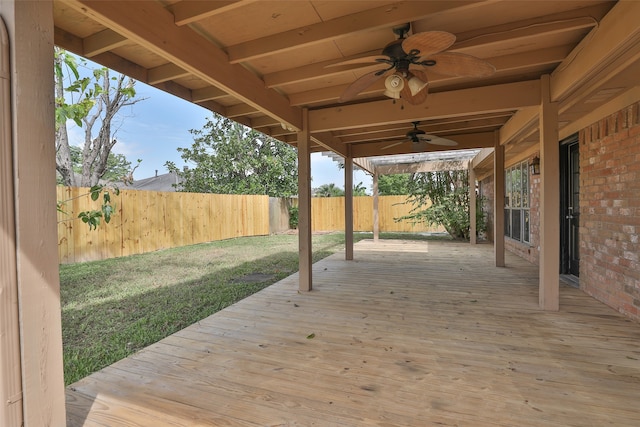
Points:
x=610 y=190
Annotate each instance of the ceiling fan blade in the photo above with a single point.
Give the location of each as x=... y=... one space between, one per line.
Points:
x=461 y=65
x=428 y=43
x=420 y=96
x=361 y=84
x=436 y=140
x=393 y=145
x=364 y=60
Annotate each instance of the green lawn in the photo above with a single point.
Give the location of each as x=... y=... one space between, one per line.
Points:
x=112 y=308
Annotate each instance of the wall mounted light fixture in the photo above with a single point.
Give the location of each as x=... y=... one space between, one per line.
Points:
x=535 y=166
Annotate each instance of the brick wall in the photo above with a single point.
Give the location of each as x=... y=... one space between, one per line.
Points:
x=486 y=191
x=610 y=211
x=528 y=251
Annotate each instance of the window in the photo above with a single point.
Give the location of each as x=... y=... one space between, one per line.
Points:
x=516 y=203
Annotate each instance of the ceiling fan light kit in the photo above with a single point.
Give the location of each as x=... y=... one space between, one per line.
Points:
x=394 y=85
x=416 y=85
x=421 y=50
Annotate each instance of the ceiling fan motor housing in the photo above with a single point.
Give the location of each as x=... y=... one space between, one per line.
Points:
x=394 y=50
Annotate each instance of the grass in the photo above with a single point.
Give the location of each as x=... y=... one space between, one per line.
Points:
x=115 y=307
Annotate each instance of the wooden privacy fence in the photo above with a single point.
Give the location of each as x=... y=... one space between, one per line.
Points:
x=147 y=221
x=327 y=214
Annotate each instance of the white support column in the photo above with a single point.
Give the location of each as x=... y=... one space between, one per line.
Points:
x=348 y=208
x=10 y=372
x=472 y=205
x=376 y=201
x=498 y=202
x=36 y=278
x=549 y=288
x=304 y=205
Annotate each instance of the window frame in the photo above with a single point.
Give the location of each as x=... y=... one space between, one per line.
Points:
x=517 y=202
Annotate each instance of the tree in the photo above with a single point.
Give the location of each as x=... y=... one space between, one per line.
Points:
x=118 y=168
x=329 y=190
x=359 y=189
x=448 y=192
x=392 y=185
x=230 y=158
x=90 y=102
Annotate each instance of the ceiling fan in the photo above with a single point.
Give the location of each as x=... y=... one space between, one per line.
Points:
x=417 y=136
x=424 y=50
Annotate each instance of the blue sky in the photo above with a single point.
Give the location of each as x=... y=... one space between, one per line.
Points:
x=154 y=128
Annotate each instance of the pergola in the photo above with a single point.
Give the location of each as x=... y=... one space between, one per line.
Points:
x=559 y=67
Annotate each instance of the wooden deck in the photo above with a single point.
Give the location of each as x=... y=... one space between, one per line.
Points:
x=408 y=334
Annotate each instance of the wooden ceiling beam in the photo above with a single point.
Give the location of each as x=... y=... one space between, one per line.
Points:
x=364 y=164
x=123 y=66
x=264 y=121
x=326 y=94
x=239 y=110
x=531 y=59
x=485 y=155
x=506 y=63
x=315 y=71
x=465 y=141
x=102 y=42
x=425 y=166
x=165 y=72
x=572 y=20
x=460 y=126
x=151 y=26
x=617 y=33
x=67 y=41
x=329 y=142
x=381 y=17
x=276 y=131
x=207 y=94
x=460 y=103
x=188 y=11
x=128 y=68
x=516 y=127
x=451 y=121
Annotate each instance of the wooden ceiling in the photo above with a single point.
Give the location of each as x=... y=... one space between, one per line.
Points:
x=263 y=62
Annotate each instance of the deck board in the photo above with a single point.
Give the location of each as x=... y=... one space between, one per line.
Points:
x=409 y=333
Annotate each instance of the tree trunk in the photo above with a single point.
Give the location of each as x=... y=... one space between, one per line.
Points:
x=63 y=153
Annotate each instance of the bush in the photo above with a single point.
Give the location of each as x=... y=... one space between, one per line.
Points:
x=293 y=217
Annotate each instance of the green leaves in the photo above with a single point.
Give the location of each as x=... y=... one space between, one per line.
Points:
x=91 y=218
x=329 y=190
x=447 y=192
x=230 y=158
x=396 y=184
x=105 y=211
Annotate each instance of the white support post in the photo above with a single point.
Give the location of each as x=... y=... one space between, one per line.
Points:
x=348 y=208
x=33 y=263
x=472 y=205
x=549 y=288
x=376 y=216
x=304 y=205
x=498 y=202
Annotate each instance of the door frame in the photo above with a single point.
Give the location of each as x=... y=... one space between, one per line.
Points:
x=565 y=229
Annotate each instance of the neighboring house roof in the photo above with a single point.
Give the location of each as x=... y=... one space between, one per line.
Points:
x=163 y=182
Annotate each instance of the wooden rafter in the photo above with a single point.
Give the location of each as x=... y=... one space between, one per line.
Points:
x=187 y=12
x=151 y=26
x=384 y=16
x=101 y=42
x=465 y=141
x=511 y=96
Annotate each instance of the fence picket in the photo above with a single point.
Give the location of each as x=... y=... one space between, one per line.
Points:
x=147 y=221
